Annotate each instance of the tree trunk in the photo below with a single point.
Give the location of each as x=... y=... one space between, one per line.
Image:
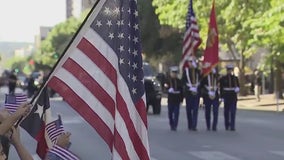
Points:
x=278 y=83
x=243 y=89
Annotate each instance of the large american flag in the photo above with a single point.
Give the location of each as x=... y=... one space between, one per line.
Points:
x=100 y=75
x=13 y=101
x=191 y=39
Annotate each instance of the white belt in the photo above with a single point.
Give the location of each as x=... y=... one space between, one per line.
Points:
x=229 y=89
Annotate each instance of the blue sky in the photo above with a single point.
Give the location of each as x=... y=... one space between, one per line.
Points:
x=20 y=19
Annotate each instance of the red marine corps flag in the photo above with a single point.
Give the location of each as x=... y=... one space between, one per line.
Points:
x=100 y=76
x=211 y=53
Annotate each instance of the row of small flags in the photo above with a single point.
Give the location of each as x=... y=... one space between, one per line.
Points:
x=53 y=129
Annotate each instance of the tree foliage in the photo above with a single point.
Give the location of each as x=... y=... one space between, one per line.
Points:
x=57 y=40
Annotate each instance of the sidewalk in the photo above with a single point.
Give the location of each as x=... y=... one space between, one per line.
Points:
x=267 y=103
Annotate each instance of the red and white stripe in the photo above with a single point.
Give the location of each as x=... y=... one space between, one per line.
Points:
x=63 y=153
x=88 y=79
x=191 y=40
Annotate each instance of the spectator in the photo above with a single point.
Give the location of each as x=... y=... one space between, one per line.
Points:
x=8 y=131
x=31 y=87
x=12 y=82
x=257 y=85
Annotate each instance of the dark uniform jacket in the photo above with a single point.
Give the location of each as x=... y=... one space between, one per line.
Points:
x=228 y=83
x=213 y=85
x=176 y=96
x=194 y=75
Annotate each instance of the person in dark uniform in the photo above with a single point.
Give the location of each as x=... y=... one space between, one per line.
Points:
x=229 y=88
x=210 y=95
x=31 y=87
x=175 y=97
x=12 y=82
x=191 y=79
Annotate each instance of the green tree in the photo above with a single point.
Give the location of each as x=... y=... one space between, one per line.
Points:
x=269 y=33
x=57 y=40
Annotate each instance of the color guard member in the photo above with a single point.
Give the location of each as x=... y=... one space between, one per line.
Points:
x=210 y=94
x=229 y=88
x=175 y=97
x=191 y=79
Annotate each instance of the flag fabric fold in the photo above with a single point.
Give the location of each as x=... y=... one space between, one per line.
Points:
x=35 y=122
x=211 y=53
x=100 y=76
x=191 y=39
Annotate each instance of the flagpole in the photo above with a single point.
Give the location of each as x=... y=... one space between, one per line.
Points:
x=65 y=50
x=57 y=62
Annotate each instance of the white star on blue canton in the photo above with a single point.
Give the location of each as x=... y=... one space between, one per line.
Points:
x=111 y=35
x=135 y=53
x=99 y=23
x=109 y=23
x=121 y=61
x=121 y=48
x=136 y=13
x=135 y=40
x=107 y=11
x=116 y=11
x=136 y=27
x=134 y=78
x=134 y=91
x=134 y=66
x=120 y=35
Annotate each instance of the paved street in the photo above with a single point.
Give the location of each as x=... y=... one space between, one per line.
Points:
x=259 y=135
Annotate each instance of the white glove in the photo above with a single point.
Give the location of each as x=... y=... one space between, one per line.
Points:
x=194 y=64
x=211 y=93
x=193 y=89
x=171 y=90
x=237 y=89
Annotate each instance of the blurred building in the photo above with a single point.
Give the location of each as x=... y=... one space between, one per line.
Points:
x=73 y=8
x=23 y=52
x=87 y=4
x=43 y=33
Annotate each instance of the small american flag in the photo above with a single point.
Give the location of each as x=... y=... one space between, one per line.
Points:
x=13 y=101
x=191 y=39
x=54 y=129
x=63 y=153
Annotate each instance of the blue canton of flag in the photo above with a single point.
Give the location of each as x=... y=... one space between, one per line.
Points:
x=119 y=27
x=13 y=101
x=54 y=129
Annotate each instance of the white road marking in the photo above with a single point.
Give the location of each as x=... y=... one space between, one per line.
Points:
x=279 y=153
x=213 y=155
x=75 y=120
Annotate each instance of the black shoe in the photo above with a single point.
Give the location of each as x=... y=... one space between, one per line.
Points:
x=208 y=129
x=233 y=129
x=214 y=129
x=194 y=129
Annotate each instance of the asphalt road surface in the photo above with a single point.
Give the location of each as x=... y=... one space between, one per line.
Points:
x=258 y=136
